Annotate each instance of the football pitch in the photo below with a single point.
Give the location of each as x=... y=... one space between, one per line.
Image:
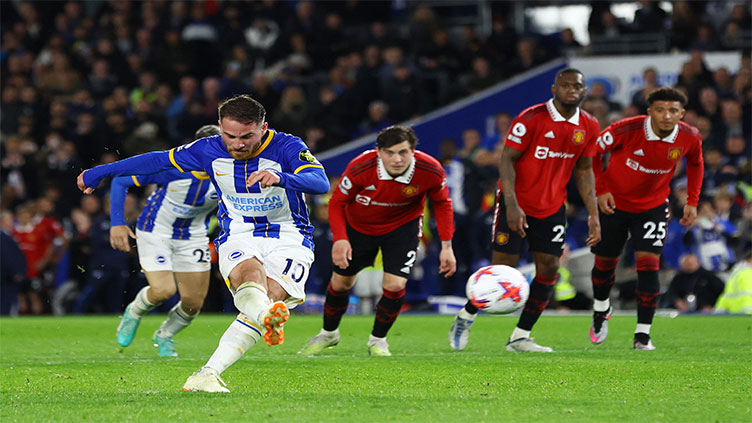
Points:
x=69 y=369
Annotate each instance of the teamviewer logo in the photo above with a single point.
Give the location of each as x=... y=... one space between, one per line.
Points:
x=362 y=199
x=632 y=164
x=541 y=152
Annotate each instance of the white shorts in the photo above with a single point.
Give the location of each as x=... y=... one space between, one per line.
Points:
x=158 y=252
x=284 y=260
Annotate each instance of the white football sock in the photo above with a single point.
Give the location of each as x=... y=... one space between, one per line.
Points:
x=374 y=339
x=643 y=328
x=237 y=339
x=141 y=305
x=250 y=299
x=467 y=316
x=599 y=305
x=329 y=334
x=518 y=333
x=177 y=320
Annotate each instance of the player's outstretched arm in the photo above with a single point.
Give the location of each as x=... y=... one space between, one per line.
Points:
x=143 y=164
x=447 y=261
x=312 y=180
x=585 y=180
x=516 y=218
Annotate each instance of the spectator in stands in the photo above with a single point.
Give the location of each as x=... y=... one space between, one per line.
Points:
x=736 y=152
x=38 y=239
x=744 y=243
x=232 y=83
x=608 y=26
x=404 y=94
x=529 y=55
x=108 y=270
x=692 y=288
x=376 y=120
x=723 y=83
x=706 y=39
x=60 y=78
x=598 y=91
x=454 y=167
x=674 y=246
x=708 y=238
x=12 y=274
x=567 y=43
x=684 y=24
x=502 y=120
x=291 y=114
x=713 y=170
x=731 y=117
x=210 y=96
x=650 y=17
x=481 y=77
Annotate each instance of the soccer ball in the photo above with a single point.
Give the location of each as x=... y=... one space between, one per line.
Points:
x=497 y=289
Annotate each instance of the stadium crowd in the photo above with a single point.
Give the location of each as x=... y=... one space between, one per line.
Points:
x=86 y=83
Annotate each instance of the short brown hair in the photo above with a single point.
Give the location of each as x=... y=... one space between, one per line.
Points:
x=243 y=109
x=396 y=134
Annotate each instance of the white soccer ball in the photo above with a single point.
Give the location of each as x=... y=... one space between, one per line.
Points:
x=498 y=289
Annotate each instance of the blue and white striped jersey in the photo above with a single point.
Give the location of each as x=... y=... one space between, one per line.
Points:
x=180 y=207
x=271 y=212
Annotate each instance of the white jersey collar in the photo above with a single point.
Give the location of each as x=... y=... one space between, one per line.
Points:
x=650 y=135
x=405 y=178
x=557 y=117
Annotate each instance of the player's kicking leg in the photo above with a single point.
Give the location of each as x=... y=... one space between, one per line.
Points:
x=263 y=313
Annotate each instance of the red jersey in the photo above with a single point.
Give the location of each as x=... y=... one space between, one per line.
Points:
x=551 y=146
x=35 y=239
x=374 y=203
x=642 y=163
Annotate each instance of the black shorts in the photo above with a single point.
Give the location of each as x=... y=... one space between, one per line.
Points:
x=543 y=235
x=398 y=250
x=647 y=230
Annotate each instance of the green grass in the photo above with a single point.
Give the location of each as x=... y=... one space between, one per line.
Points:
x=71 y=370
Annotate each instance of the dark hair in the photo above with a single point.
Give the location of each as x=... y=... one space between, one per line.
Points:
x=243 y=109
x=567 y=70
x=396 y=134
x=667 y=94
x=206 y=131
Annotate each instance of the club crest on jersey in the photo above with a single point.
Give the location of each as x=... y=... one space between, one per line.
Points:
x=236 y=255
x=502 y=238
x=409 y=191
x=306 y=156
x=578 y=137
x=674 y=153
